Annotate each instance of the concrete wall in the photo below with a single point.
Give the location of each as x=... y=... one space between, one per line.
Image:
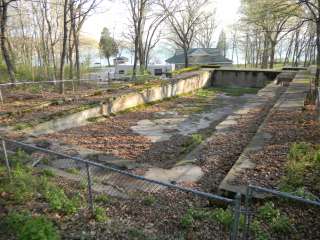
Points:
x=242 y=78
x=120 y=103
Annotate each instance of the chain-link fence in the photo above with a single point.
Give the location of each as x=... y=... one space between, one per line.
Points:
x=161 y=209
x=280 y=215
x=45 y=89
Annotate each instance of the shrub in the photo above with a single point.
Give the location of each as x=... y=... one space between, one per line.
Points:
x=224 y=217
x=281 y=225
x=27 y=227
x=22 y=185
x=20 y=157
x=268 y=212
x=274 y=219
x=259 y=233
x=59 y=201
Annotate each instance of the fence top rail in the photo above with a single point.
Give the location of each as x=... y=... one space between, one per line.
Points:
x=52 y=81
x=283 y=194
x=169 y=185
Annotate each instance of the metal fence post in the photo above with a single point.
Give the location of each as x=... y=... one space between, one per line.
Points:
x=236 y=214
x=89 y=181
x=247 y=213
x=6 y=157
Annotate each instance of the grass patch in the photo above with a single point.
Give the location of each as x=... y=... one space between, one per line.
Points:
x=219 y=215
x=191 y=143
x=74 y=171
x=149 y=200
x=22 y=126
x=102 y=199
x=206 y=92
x=302 y=168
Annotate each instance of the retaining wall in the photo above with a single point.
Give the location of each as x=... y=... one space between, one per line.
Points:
x=243 y=77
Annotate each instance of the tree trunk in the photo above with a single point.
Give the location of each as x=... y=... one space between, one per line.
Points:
x=186 y=60
x=64 y=45
x=108 y=58
x=272 y=53
x=134 y=68
x=3 y=41
x=265 y=53
x=70 y=54
x=318 y=55
x=76 y=45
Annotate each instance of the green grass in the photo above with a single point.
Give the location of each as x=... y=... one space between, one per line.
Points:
x=303 y=167
x=206 y=92
x=219 y=215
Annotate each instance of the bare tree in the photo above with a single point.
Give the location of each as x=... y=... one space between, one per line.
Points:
x=312 y=10
x=184 y=18
x=138 y=9
x=4 y=5
x=204 y=37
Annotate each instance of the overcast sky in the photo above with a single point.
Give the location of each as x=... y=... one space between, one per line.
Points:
x=114 y=16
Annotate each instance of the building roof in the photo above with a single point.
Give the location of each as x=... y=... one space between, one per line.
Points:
x=199 y=56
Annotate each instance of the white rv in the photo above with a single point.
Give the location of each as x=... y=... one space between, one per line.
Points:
x=122 y=71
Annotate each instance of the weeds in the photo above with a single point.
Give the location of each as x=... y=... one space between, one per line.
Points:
x=149 y=200
x=191 y=143
x=220 y=215
x=28 y=227
x=100 y=215
x=103 y=199
x=26 y=185
x=58 y=200
x=269 y=221
x=303 y=167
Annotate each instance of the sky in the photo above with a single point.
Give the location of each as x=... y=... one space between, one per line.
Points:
x=114 y=16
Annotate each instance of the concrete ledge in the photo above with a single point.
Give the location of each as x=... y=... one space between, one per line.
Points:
x=292 y=100
x=120 y=103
